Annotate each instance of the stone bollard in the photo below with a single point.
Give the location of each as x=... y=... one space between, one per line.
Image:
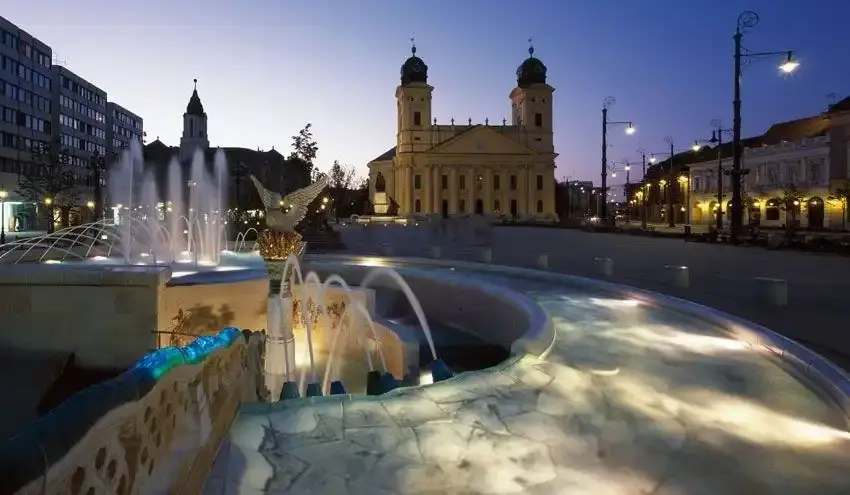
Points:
x=605 y=266
x=435 y=252
x=486 y=255
x=678 y=275
x=543 y=262
x=772 y=291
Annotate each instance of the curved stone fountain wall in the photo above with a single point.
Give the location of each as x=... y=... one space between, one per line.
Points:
x=154 y=429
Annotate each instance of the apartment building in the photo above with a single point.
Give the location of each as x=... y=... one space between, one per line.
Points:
x=122 y=127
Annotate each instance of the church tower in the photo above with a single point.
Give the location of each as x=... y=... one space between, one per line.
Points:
x=531 y=103
x=194 y=127
x=414 y=106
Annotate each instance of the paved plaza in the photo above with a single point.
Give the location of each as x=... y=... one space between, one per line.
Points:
x=631 y=400
x=721 y=276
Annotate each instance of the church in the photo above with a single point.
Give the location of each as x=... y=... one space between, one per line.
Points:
x=271 y=167
x=462 y=168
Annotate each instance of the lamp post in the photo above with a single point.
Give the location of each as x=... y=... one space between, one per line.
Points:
x=630 y=129
x=48 y=202
x=645 y=188
x=717 y=138
x=3 y=196
x=746 y=20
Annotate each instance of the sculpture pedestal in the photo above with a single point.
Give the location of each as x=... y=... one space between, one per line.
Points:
x=382 y=205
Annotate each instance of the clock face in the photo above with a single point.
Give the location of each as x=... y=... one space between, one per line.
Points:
x=417 y=67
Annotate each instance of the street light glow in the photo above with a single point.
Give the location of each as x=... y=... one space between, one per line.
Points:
x=631 y=130
x=3 y=194
x=696 y=147
x=790 y=64
x=652 y=159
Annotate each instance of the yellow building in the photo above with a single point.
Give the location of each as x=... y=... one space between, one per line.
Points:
x=474 y=168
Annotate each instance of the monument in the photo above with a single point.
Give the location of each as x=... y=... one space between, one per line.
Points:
x=276 y=244
x=382 y=205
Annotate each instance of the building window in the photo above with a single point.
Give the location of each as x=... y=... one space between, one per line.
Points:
x=417 y=206
x=539 y=206
x=417 y=118
x=444 y=181
x=771 y=211
x=497 y=183
x=538 y=119
x=461 y=207
x=417 y=181
x=539 y=182
x=496 y=206
x=513 y=182
x=462 y=184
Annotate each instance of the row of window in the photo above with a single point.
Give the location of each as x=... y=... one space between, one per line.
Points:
x=25 y=49
x=79 y=125
x=479 y=206
x=12 y=66
x=19 y=118
x=79 y=89
x=81 y=108
x=20 y=143
x=118 y=144
x=497 y=182
x=24 y=96
x=126 y=119
x=76 y=143
x=125 y=133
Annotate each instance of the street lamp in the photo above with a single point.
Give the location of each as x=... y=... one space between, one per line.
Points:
x=748 y=19
x=645 y=188
x=3 y=196
x=90 y=205
x=630 y=130
x=47 y=202
x=717 y=138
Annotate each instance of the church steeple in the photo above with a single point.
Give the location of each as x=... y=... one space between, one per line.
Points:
x=194 y=127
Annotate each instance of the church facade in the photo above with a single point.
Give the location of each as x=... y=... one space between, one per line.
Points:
x=464 y=168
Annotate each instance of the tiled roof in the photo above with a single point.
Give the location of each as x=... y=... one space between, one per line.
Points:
x=841 y=106
x=795 y=130
x=387 y=155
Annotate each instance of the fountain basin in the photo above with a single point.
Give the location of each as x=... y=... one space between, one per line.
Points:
x=111 y=315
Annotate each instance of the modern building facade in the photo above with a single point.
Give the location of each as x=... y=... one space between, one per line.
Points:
x=464 y=168
x=122 y=127
x=25 y=117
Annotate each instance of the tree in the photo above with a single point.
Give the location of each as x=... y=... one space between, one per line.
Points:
x=50 y=179
x=304 y=150
x=340 y=176
x=842 y=195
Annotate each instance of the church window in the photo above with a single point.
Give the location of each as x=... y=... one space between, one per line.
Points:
x=417 y=118
x=461 y=207
x=539 y=182
x=538 y=119
x=462 y=182
x=496 y=206
x=513 y=182
x=497 y=184
x=539 y=206
x=417 y=206
x=444 y=181
x=417 y=181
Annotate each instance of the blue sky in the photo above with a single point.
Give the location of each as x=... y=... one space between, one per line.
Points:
x=267 y=67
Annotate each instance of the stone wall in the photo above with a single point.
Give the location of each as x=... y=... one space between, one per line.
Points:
x=110 y=316
x=154 y=429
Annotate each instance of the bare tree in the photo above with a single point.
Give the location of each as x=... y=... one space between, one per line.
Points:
x=341 y=176
x=50 y=180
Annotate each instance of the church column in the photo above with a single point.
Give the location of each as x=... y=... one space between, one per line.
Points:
x=488 y=190
x=532 y=189
x=471 y=185
x=453 y=189
x=522 y=190
x=410 y=190
x=505 y=194
x=404 y=190
x=549 y=191
x=438 y=185
x=428 y=192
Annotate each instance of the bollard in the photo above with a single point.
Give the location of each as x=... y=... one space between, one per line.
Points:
x=435 y=252
x=337 y=388
x=678 y=275
x=543 y=261
x=388 y=250
x=373 y=383
x=605 y=266
x=486 y=255
x=387 y=383
x=772 y=291
x=289 y=391
x=313 y=390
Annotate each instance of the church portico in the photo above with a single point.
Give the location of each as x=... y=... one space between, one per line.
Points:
x=475 y=168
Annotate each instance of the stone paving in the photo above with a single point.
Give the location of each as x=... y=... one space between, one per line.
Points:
x=631 y=400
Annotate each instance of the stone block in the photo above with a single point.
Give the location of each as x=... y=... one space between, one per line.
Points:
x=604 y=266
x=543 y=261
x=486 y=255
x=678 y=276
x=772 y=291
x=435 y=252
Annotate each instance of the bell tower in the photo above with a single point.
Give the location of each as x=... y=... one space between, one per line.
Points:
x=194 y=127
x=531 y=103
x=413 y=97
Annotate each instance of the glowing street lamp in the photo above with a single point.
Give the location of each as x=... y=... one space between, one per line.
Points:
x=90 y=205
x=790 y=64
x=630 y=130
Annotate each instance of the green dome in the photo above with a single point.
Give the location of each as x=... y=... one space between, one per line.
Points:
x=531 y=71
x=414 y=70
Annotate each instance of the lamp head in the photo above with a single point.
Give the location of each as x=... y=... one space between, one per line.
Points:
x=3 y=194
x=790 y=65
x=630 y=130
x=714 y=138
x=696 y=147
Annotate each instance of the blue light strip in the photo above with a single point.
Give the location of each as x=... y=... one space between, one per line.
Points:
x=159 y=362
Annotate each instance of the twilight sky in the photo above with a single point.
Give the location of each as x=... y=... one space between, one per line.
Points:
x=267 y=67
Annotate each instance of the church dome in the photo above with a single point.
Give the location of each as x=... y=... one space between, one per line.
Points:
x=195 y=107
x=531 y=71
x=414 y=70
